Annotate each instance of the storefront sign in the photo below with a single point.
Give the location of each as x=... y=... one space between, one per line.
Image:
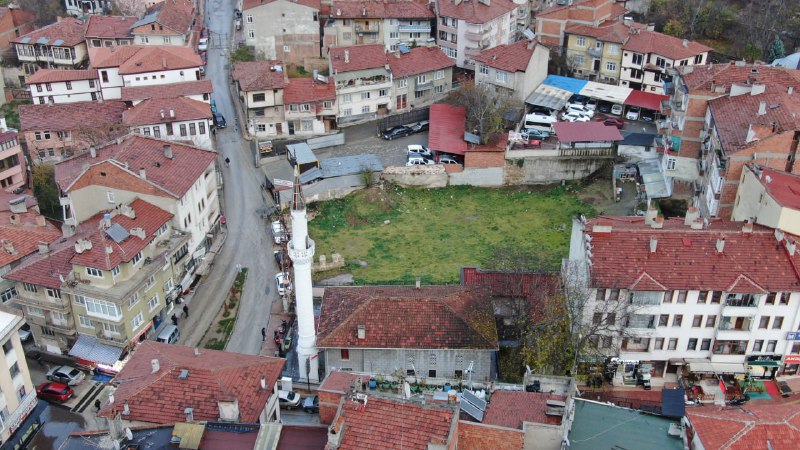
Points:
x=793 y=336
x=22 y=414
x=282 y=183
x=792 y=359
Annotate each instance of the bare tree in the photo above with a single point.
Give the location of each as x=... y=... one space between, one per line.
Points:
x=485 y=108
x=133 y=8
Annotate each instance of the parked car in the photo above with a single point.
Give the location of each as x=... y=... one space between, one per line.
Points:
x=447 y=159
x=604 y=107
x=580 y=109
x=416 y=149
x=614 y=122
x=278 y=233
x=311 y=404
x=237 y=13
x=647 y=115
x=574 y=116
x=542 y=110
x=54 y=391
x=591 y=104
x=24 y=332
x=418 y=160
x=288 y=399
x=540 y=118
x=397 y=132
x=202 y=44
x=66 y=374
x=281 y=258
x=578 y=99
x=633 y=113
x=535 y=133
x=616 y=109
x=219 y=120
x=421 y=126
x=282 y=283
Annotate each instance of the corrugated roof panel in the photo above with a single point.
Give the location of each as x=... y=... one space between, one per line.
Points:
x=573 y=85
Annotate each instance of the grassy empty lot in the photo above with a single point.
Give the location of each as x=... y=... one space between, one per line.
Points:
x=432 y=233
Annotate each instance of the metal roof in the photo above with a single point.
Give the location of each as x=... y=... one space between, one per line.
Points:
x=150 y=18
x=301 y=153
x=573 y=85
x=655 y=182
x=640 y=139
x=87 y=347
x=607 y=92
x=586 y=132
x=549 y=97
x=350 y=165
x=646 y=100
x=594 y=422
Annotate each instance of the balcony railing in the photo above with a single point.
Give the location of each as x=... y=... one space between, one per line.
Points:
x=55 y=305
x=424 y=86
x=368 y=29
x=595 y=52
x=414 y=28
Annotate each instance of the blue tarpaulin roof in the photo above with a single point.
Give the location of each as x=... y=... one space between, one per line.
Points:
x=573 y=85
x=672 y=403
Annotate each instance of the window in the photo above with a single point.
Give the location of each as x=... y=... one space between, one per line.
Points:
x=394 y=35
x=69 y=85
x=115 y=271
x=192 y=129
x=365 y=95
x=596 y=318
x=152 y=303
x=438 y=75
x=581 y=41
x=183 y=129
x=705 y=344
x=327 y=104
x=614 y=295
x=484 y=69
x=697 y=321
x=344 y=354
x=663 y=320
x=101 y=308
x=777 y=324
x=692 y=344
x=659 y=344
x=249 y=18
x=673 y=344
x=758 y=345
x=85 y=321
x=251 y=34
x=47 y=331
x=678 y=321
x=201 y=126
x=500 y=76
x=438 y=89
x=770 y=300
x=347 y=98
x=607 y=341
x=137 y=321
x=35 y=311
x=261 y=127
x=14 y=369
x=110 y=328
x=763 y=323
x=48 y=86
x=796 y=347
x=681 y=297
x=8 y=346
x=637 y=59
x=730 y=347
x=613 y=49
x=698 y=59
x=365 y=109
x=422 y=79
x=133 y=300
x=702 y=297
x=381 y=93
x=784 y=299
x=29 y=287
x=611 y=319
x=711 y=321
x=92 y=272
x=8 y=295
x=716 y=296
x=259 y=97
x=347 y=112
x=771 y=346
x=136 y=258
x=611 y=66
x=600 y=295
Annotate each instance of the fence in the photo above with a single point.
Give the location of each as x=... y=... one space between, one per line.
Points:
x=405 y=118
x=652 y=406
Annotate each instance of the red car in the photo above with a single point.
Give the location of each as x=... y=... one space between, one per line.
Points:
x=54 y=391
x=613 y=122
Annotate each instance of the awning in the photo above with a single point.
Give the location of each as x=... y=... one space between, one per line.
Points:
x=645 y=100
x=549 y=97
x=87 y=347
x=606 y=92
x=705 y=366
x=763 y=363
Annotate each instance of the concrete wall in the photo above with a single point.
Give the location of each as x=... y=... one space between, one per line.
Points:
x=386 y=361
x=539 y=436
x=329 y=188
x=637 y=152
x=491 y=176
x=283 y=24
x=420 y=176
x=542 y=170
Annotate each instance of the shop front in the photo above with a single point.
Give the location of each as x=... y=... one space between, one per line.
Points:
x=763 y=366
x=24 y=423
x=791 y=365
x=98 y=357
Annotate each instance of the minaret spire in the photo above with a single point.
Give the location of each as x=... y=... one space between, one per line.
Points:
x=298 y=202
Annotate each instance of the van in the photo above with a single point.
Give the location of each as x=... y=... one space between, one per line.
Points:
x=169 y=335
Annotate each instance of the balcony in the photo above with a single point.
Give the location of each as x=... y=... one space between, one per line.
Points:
x=677 y=104
x=595 y=52
x=414 y=28
x=478 y=34
x=54 y=305
x=366 y=28
x=636 y=345
x=424 y=86
x=63 y=201
x=110 y=339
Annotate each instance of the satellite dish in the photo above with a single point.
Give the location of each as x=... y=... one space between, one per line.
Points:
x=129 y=434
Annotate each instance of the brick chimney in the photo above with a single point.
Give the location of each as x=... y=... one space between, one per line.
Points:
x=691 y=215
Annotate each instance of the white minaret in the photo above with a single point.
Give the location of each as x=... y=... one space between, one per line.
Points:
x=301 y=250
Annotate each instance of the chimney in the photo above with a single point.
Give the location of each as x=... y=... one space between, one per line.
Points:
x=658 y=222
x=126 y=411
x=650 y=215
x=364 y=12
x=162 y=114
x=720 y=244
x=790 y=90
x=196 y=351
x=106 y=221
x=164 y=63
x=18 y=206
x=189 y=413
x=685 y=43
x=168 y=151
x=418 y=282
x=691 y=215
x=172 y=113
x=263 y=382
x=653 y=245
x=8 y=246
x=142 y=173
x=155 y=365
x=43 y=247
x=627 y=21
x=362 y=332
x=14 y=219
x=758 y=88
x=41 y=221
x=347 y=56
x=791 y=247
x=698 y=224
x=336 y=433
x=747 y=227
x=93 y=152
x=602 y=227
x=762 y=108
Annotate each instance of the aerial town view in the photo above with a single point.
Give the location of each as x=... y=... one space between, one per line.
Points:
x=400 y=224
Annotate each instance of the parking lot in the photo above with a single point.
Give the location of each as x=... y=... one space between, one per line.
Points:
x=392 y=153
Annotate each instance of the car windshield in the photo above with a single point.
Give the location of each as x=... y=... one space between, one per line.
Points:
x=291 y=395
x=74 y=373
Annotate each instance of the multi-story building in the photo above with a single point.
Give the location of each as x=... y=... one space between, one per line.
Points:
x=420 y=76
x=692 y=87
x=388 y=23
x=310 y=106
x=166 y=23
x=177 y=178
x=516 y=69
x=51 y=86
x=199 y=90
x=468 y=27
x=260 y=85
x=110 y=283
x=82 y=8
x=174 y=119
x=363 y=81
x=108 y=31
x=553 y=21
x=17 y=392
x=752 y=127
x=58 y=45
x=54 y=132
x=647 y=55
x=595 y=52
x=287 y=30
x=13 y=172
x=664 y=290
x=769 y=197
x=362 y=329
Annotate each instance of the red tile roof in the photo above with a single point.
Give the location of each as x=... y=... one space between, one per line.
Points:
x=577 y=8
x=308 y=90
x=510 y=409
x=747 y=428
x=734 y=115
x=56 y=75
x=174 y=176
x=474 y=11
x=249 y=4
x=384 y=424
x=181 y=89
x=724 y=75
x=150 y=111
x=22 y=239
x=18 y=16
x=510 y=58
x=511 y=284
x=46 y=269
x=585 y=132
x=448 y=123
x=301 y=438
x=607 y=31
x=417 y=61
x=176 y=15
x=70 y=116
x=148 y=217
x=401 y=9
x=664 y=45
x=258 y=75
x=646 y=100
x=361 y=57
x=453 y=318
x=133 y=59
x=112 y=56
x=687 y=259
x=110 y=27
x=783 y=187
x=70 y=32
x=214 y=376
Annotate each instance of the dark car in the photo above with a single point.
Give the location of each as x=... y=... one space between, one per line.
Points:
x=54 y=391
x=397 y=132
x=219 y=120
x=614 y=122
x=577 y=98
x=280 y=258
x=237 y=13
x=647 y=116
x=535 y=133
x=311 y=405
x=604 y=107
x=421 y=126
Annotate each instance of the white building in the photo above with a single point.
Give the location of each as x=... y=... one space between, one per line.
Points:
x=80 y=8
x=199 y=90
x=363 y=81
x=310 y=106
x=723 y=293
x=769 y=197
x=17 y=393
x=63 y=86
x=59 y=45
x=516 y=69
x=261 y=89
x=421 y=76
x=167 y=22
x=173 y=119
x=287 y=30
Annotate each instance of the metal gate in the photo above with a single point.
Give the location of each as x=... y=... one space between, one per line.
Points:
x=405 y=118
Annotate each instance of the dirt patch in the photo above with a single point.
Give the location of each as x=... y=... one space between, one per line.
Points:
x=600 y=194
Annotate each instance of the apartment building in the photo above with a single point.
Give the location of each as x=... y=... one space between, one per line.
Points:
x=108 y=31
x=768 y=197
x=283 y=29
x=595 y=52
x=82 y=8
x=13 y=172
x=261 y=90
x=177 y=119
x=684 y=288
x=363 y=81
x=17 y=392
x=465 y=28
x=59 y=45
x=51 y=86
x=169 y=22
x=515 y=70
x=388 y=23
x=420 y=76
x=310 y=106
x=553 y=21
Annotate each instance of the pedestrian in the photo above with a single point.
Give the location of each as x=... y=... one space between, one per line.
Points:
x=223 y=221
x=227 y=162
x=263 y=334
x=175 y=320
x=97 y=405
x=186 y=311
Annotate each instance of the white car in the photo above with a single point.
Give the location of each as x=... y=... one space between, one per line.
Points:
x=447 y=159
x=633 y=113
x=278 y=233
x=540 y=118
x=282 y=283
x=416 y=149
x=288 y=399
x=418 y=160
x=591 y=104
x=573 y=116
x=580 y=109
x=616 y=110
x=202 y=44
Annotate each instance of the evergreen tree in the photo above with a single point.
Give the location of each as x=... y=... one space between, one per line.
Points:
x=776 y=51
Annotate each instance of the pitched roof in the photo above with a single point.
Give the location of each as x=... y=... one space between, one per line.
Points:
x=132 y=59
x=383 y=424
x=361 y=57
x=687 y=259
x=68 y=32
x=177 y=15
x=213 y=376
x=173 y=176
x=258 y=75
x=249 y=4
x=401 y=9
x=163 y=110
x=607 y=31
x=511 y=284
x=182 y=89
x=112 y=27
x=337 y=381
x=417 y=61
x=308 y=90
x=57 y=75
x=474 y=11
x=740 y=429
x=734 y=115
x=510 y=58
x=18 y=16
x=46 y=269
x=70 y=116
x=724 y=75
x=22 y=238
x=510 y=409
x=781 y=186
x=663 y=44
x=454 y=317
x=448 y=123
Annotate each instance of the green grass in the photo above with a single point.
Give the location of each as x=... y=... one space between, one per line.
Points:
x=433 y=233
